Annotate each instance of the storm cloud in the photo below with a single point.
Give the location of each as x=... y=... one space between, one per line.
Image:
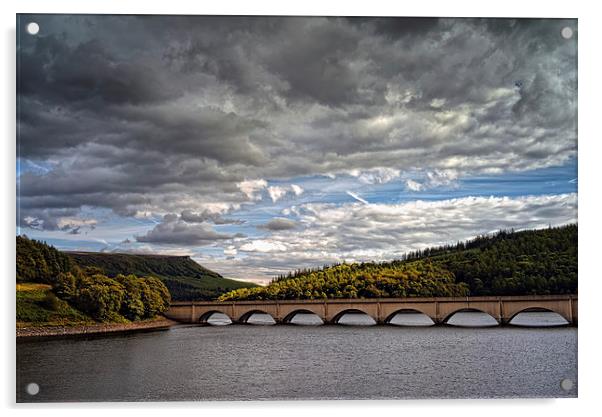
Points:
x=147 y=116
x=173 y=230
x=279 y=223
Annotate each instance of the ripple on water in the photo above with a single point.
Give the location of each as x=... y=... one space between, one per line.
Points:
x=301 y=362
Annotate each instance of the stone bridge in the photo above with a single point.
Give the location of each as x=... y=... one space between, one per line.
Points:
x=382 y=310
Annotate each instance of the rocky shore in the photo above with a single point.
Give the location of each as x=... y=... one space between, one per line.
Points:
x=31 y=333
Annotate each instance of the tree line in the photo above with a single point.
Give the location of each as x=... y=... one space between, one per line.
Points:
x=39 y=262
x=109 y=299
x=185 y=279
x=368 y=280
x=506 y=263
x=89 y=289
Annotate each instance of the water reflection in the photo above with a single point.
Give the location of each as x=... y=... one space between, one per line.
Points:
x=411 y=319
x=538 y=319
x=261 y=319
x=314 y=362
x=219 y=319
x=472 y=319
x=306 y=319
x=356 y=319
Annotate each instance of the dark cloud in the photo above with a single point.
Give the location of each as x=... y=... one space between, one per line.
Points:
x=397 y=27
x=89 y=74
x=279 y=223
x=45 y=219
x=168 y=114
x=207 y=216
x=177 y=232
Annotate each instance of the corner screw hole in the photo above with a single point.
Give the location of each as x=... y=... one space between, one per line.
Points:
x=32 y=388
x=567 y=32
x=32 y=28
x=567 y=384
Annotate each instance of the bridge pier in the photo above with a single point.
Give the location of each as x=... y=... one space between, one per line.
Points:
x=438 y=309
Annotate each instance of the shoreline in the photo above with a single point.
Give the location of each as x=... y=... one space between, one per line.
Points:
x=99 y=329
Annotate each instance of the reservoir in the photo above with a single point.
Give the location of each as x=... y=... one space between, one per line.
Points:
x=347 y=361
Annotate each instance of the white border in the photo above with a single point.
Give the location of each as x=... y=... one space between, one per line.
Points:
x=589 y=197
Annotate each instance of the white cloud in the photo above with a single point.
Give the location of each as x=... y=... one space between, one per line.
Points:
x=297 y=190
x=378 y=175
x=71 y=224
x=230 y=251
x=412 y=185
x=276 y=192
x=252 y=188
x=437 y=103
x=440 y=178
x=68 y=222
x=379 y=232
x=264 y=246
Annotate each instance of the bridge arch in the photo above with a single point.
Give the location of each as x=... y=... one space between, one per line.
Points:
x=408 y=310
x=469 y=310
x=338 y=309
x=341 y=313
x=244 y=318
x=289 y=309
x=564 y=314
x=289 y=317
x=204 y=318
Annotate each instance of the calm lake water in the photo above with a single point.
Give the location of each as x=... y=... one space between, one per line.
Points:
x=351 y=361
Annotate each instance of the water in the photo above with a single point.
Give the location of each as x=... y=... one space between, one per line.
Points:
x=353 y=361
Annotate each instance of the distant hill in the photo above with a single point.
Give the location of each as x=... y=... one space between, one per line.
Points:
x=507 y=263
x=185 y=279
x=540 y=261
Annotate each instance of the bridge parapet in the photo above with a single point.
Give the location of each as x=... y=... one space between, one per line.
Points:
x=382 y=310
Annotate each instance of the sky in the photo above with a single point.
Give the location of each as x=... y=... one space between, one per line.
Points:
x=259 y=145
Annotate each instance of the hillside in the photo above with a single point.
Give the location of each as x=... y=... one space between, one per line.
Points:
x=507 y=263
x=185 y=279
x=52 y=291
x=513 y=263
x=37 y=306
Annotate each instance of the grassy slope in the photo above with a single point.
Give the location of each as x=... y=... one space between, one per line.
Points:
x=32 y=310
x=185 y=278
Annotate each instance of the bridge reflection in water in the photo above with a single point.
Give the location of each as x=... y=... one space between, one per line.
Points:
x=382 y=310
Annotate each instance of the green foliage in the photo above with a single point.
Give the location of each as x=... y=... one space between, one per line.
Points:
x=184 y=278
x=507 y=263
x=99 y=296
x=366 y=280
x=38 y=306
x=515 y=263
x=96 y=295
x=108 y=299
x=132 y=306
x=52 y=302
x=155 y=297
x=39 y=262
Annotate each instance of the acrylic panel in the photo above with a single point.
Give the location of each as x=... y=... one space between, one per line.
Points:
x=294 y=207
